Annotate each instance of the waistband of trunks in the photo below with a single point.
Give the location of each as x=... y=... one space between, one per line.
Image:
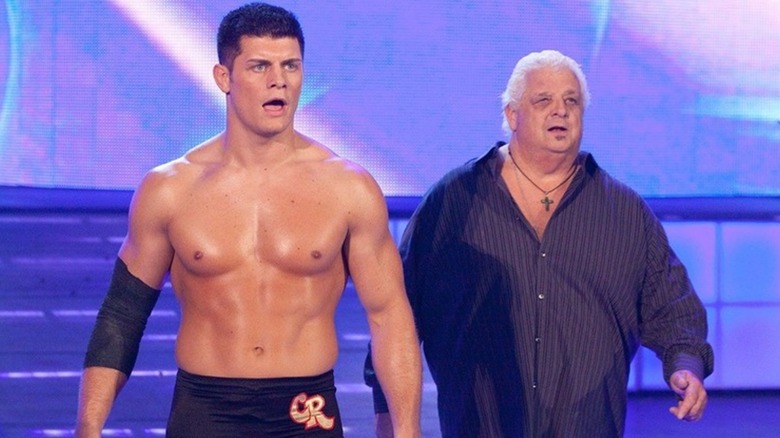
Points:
x=319 y=383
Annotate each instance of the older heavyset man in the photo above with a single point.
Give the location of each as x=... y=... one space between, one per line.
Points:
x=534 y=277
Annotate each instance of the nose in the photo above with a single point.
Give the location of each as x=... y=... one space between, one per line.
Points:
x=276 y=78
x=560 y=108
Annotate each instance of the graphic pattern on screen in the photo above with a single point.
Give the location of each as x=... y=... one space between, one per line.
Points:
x=686 y=96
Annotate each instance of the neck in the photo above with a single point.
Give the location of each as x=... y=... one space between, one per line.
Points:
x=256 y=150
x=547 y=186
x=542 y=166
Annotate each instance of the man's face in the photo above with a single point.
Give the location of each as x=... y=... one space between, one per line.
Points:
x=264 y=85
x=549 y=114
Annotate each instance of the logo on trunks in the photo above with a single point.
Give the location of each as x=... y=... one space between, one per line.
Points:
x=308 y=410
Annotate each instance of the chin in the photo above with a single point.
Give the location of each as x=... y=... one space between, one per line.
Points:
x=271 y=129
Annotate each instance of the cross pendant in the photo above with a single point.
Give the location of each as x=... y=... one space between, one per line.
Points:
x=546 y=201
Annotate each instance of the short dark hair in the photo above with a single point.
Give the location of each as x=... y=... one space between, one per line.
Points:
x=254 y=19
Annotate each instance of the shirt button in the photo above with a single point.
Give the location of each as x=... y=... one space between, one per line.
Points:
x=537 y=340
x=544 y=254
x=541 y=296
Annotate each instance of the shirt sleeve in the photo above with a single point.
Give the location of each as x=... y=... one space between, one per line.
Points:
x=674 y=321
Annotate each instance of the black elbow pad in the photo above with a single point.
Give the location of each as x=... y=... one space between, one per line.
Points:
x=121 y=321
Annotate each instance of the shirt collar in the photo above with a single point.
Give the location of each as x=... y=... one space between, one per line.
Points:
x=493 y=160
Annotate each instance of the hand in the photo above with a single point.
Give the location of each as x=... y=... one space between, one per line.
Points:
x=384 y=426
x=692 y=398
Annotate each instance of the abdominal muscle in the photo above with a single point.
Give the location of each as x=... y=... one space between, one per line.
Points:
x=257 y=323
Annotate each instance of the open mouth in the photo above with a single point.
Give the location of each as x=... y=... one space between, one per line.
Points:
x=275 y=105
x=557 y=129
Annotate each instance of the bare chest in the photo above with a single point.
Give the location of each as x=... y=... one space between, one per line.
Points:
x=215 y=233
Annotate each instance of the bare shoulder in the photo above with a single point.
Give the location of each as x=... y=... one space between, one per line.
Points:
x=345 y=175
x=164 y=183
x=352 y=188
x=336 y=166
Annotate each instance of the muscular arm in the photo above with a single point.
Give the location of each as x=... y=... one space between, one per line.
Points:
x=417 y=246
x=375 y=267
x=147 y=254
x=99 y=387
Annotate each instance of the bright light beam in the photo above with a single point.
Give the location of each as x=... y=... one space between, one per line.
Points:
x=174 y=31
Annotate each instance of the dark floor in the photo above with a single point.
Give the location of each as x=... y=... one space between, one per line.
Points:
x=54 y=268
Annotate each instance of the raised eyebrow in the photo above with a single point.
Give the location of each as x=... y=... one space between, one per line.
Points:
x=268 y=61
x=265 y=63
x=258 y=61
x=539 y=96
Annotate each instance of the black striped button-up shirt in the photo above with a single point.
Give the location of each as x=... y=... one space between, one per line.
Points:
x=535 y=338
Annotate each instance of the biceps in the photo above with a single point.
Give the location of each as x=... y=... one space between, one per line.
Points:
x=376 y=272
x=147 y=250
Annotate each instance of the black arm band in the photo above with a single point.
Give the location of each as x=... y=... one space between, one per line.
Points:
x=121 y=321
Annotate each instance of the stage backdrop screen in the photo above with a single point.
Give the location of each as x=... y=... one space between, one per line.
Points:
x=686 y=94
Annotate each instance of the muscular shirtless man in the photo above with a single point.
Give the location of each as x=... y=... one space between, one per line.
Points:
x=259 y=229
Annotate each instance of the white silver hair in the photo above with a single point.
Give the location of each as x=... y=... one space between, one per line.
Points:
x=515 y=87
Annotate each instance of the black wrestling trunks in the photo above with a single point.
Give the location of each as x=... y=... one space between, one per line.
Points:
x=214 y=407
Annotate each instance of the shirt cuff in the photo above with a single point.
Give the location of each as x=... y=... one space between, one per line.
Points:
x=689 y=362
